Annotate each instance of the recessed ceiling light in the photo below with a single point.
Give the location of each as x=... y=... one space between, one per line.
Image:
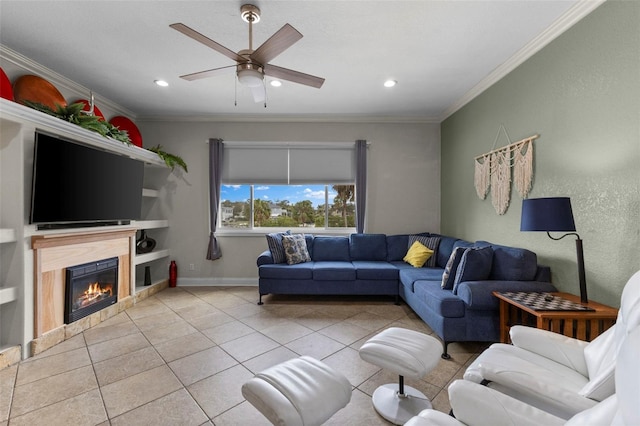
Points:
x=276 y=83
x=390 y=83
x=161 y=83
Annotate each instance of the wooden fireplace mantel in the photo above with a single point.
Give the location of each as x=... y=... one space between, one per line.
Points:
x=53 y=253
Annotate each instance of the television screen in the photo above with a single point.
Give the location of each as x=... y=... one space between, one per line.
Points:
x=78 y=184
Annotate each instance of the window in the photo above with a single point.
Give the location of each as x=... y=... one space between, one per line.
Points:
x=287 y=185
x=287 y=206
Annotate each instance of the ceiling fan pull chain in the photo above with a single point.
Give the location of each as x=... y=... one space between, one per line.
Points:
x=235 y=91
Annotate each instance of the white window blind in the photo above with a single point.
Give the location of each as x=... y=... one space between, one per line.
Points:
x=288 y=164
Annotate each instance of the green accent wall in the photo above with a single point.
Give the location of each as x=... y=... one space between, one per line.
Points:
x=581 y=94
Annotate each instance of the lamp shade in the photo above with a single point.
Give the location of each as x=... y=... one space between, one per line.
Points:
x=547 y=214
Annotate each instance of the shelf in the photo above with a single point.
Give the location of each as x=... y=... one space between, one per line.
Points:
x=150 y=224
x=150 y=193
x=8 y=295
x=150 y=257
x=7 y=235
x=17 y=113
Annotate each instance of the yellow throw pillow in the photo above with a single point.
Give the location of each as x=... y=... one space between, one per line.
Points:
x=418 y=254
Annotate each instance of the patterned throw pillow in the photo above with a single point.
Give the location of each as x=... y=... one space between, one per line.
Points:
x=295 y=249
x=274 y=241
x=449 y=275
x=429 y=242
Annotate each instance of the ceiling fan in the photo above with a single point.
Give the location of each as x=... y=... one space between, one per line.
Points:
x=252 y=65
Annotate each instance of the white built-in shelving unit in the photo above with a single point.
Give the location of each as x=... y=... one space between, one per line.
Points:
x=18 y=125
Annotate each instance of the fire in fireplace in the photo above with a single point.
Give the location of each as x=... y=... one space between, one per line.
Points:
x=90 y=288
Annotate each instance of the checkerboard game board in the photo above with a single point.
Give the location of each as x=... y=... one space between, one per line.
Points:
x=544 y=301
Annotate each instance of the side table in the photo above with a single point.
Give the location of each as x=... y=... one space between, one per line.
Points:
x=580 y=324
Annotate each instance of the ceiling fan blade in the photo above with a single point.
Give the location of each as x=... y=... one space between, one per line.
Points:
x=284 y=38
x=258 y=93
x=209 y=73
x=294 y=76
x=189 y=32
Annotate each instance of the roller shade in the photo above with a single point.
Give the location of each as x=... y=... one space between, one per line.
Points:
x=288 y=164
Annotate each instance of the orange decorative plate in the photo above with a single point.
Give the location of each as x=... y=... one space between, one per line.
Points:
x=87 y=107
x=6 y=91
x=36 y=89
x=123 y=123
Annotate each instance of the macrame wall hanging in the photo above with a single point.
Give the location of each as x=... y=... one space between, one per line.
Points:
x=493 y=170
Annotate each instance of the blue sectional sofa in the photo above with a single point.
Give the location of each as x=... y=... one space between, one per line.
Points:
x=372 y=264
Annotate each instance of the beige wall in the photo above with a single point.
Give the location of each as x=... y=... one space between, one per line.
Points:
x=582 y=95
x=403 y=186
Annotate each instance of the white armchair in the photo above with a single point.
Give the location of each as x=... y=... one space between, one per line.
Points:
x=557 y=374
x=474 y=404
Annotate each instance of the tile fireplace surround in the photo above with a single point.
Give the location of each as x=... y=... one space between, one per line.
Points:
x=53 y=253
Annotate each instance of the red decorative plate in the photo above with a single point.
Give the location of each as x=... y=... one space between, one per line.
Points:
x=37 y=89
x=87 y=107
x=123 y=123
x=6 y=91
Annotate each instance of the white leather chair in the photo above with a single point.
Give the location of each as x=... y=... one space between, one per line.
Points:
x=474 y=404
x=557 y=374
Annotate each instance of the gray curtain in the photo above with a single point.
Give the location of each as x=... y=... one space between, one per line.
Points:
x=215 y=173
x=361 y=184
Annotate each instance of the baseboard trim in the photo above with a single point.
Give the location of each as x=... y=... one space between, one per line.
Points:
x=217 y=282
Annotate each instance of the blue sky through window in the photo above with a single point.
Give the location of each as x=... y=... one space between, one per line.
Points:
x=275 y=193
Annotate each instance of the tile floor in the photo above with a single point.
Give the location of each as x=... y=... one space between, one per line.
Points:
x=181 y=356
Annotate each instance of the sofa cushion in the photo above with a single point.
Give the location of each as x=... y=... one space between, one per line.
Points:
x=334 y=271
x=443 y=302
x=368 y=247
x=431 y=242
x=475 y=265
x=449 y=274
x=295 y=249
x=513 y=264
x=408 y=276
x=274 y=242
x=375 y=270
x=331 y=248
x=418 y=254
x=396 y=247
x=301 y=271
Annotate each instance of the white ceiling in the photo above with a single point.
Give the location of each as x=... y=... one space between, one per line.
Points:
x=441 y=53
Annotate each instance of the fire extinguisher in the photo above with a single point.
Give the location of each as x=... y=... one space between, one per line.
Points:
x=173 y=274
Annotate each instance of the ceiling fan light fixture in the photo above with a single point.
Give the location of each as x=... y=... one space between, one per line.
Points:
x=390 y=83
x=276 y=83
x=250 y=77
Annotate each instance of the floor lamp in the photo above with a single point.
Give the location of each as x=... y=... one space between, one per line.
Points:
x=554 y=215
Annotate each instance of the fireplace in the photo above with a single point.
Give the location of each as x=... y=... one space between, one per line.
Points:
x=89 y=288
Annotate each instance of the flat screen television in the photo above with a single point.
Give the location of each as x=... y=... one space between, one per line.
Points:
x=79 y=185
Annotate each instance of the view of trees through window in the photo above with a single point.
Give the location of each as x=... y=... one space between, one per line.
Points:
x=287 y=206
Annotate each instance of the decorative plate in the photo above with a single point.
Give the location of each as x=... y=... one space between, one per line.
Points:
x=6 y=91
x=87 y=106
x=123 y=123
x=37 y=89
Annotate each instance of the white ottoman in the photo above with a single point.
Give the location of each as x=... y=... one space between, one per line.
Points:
x=406 y=353
x=301 y=391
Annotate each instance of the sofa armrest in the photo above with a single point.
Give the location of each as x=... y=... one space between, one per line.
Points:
x=554 y=346
x=478 y=294
x=265 y=258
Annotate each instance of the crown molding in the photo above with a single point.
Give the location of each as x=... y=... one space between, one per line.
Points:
x=576 y=13
x=322 y=118
x=58 y=80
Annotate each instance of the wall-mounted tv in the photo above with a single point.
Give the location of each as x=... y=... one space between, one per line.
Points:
x=79 y=185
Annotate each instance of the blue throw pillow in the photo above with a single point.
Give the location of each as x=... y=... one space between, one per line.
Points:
x=475 y=265
x=449 y=275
